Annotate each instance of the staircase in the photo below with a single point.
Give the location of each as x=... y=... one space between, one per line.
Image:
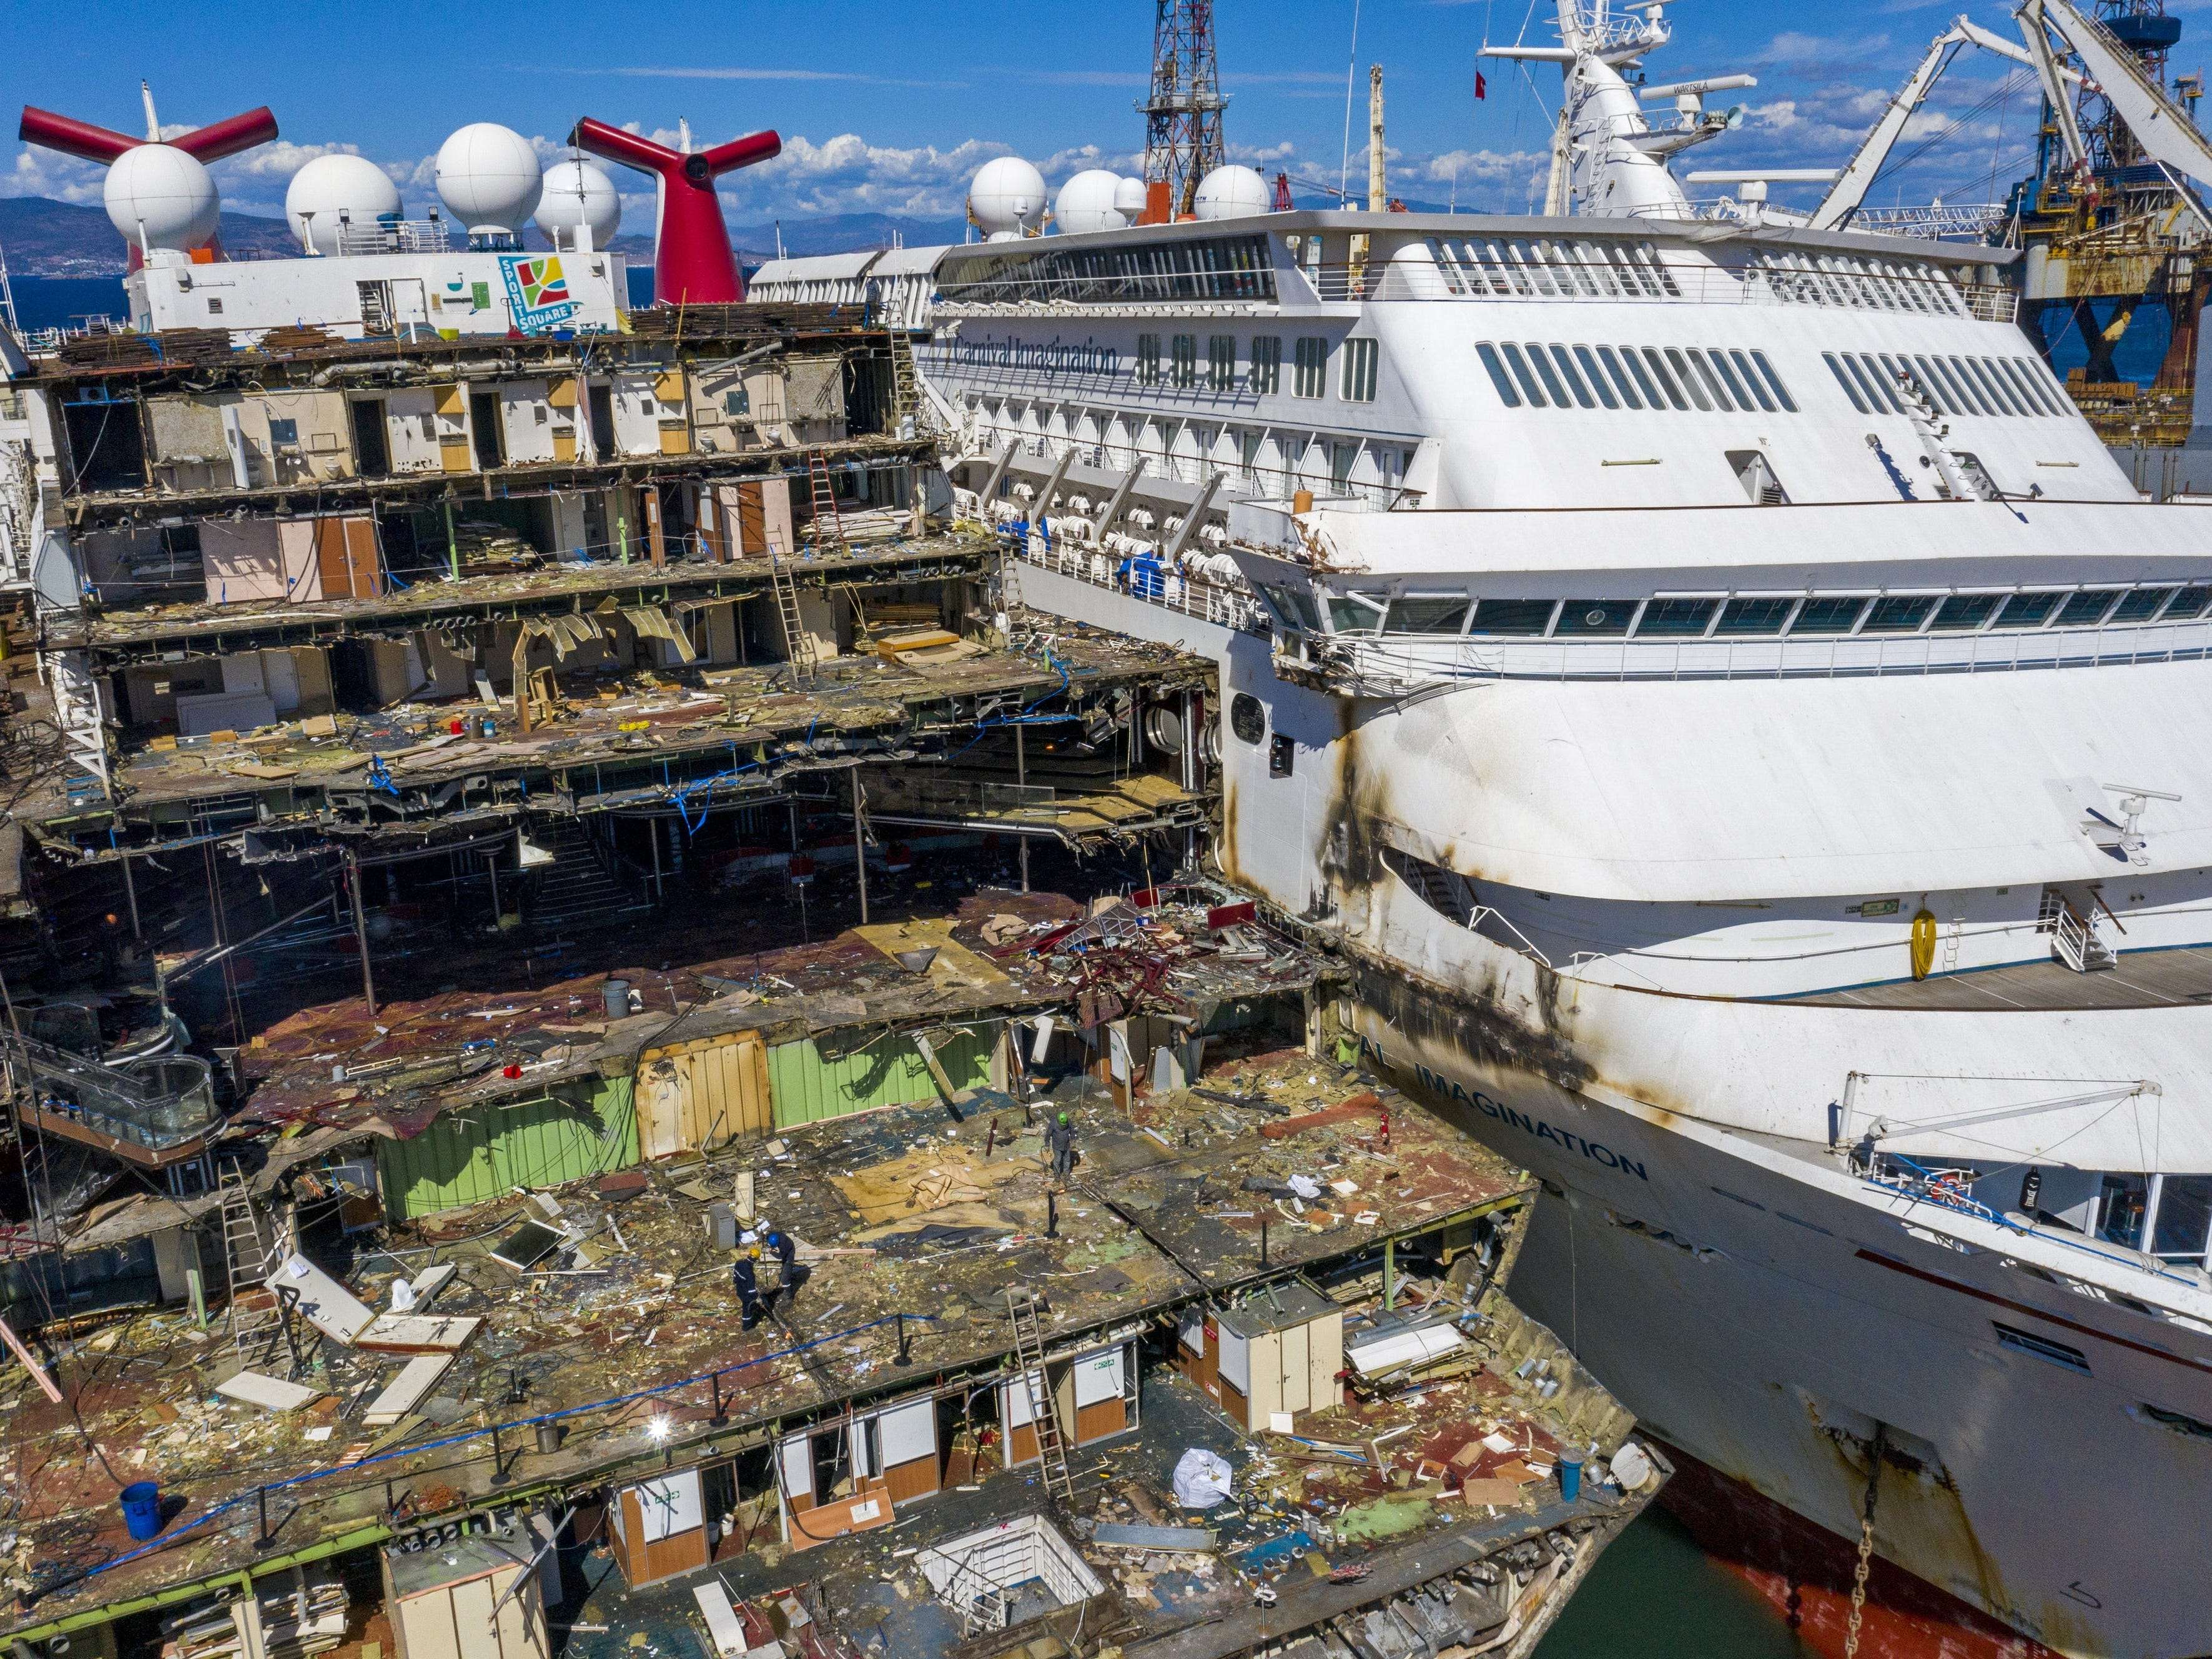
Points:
x=2073 y=941
x=1044 y=1413
x=583 y=888
x=259 y=1328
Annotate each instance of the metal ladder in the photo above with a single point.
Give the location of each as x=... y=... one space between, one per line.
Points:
x=1044 y=1414
x=258 y=1326
x=829 y=523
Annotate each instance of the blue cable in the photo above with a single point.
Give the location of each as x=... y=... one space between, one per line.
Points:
x=312 y=1475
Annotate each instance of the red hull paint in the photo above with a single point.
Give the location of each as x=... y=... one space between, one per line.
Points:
x=1804 y=1572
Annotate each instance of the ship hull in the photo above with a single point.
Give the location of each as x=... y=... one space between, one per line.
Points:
x=1777 y=1337
x=1805 y=1573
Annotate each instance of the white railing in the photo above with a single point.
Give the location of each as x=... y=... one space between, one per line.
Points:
x=1269 y=482
x=401 y=236
x=1408 y=660
x=1936 y=221
x=1186 y=595
x=1770 y=283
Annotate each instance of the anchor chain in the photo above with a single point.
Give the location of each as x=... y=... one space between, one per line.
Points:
x=1866 y=1541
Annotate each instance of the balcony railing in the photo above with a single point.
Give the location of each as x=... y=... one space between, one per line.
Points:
x=1185 y=593
x=1405 y=660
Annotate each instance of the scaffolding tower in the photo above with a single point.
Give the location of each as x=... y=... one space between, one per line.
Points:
x=1182 y=114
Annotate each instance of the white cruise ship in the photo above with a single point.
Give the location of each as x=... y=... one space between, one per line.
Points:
x=1752 y=741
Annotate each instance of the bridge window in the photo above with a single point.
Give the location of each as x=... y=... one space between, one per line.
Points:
x=1312 y=366
x=2087 y=607
x=1428 y=613
x=2141 y=605
x=1744 y=618
x=1596 y=616
x=1963 y=613
x=2028 y=610
x=1515 y=617
x=2188 y=602
x=1676 y=618
x=1830 y=614
x=1897 y=613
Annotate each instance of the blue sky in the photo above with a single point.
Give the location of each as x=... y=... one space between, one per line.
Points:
x=891 y=107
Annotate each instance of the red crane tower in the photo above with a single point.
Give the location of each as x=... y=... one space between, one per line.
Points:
x=1182 y=115
x=692 y=261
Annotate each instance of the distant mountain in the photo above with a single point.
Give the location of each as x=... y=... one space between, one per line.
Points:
x=46 y=238
x=42 y=237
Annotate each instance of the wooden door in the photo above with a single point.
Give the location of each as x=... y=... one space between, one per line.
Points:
x=752 y=521
x=345 y=558
x=660 y=1109
x=727 y=1095
x=701 y=1095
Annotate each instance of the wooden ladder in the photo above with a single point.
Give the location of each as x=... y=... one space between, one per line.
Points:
x=1044 y=1413
x=829 y=523
x=797 y=643
x=906 y=386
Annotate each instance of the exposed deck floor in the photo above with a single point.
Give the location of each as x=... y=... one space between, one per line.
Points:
x=2143 y=979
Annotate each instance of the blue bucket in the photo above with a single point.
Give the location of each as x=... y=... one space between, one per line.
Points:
x=142 y=1510
x=1571 y=1478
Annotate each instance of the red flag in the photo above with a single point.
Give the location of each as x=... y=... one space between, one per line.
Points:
x=1481 y=86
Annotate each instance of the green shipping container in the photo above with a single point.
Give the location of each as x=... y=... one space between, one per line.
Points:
x=807 y=1087
x=481 y=1152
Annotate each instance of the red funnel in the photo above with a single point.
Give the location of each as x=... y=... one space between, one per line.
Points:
x=692 y=262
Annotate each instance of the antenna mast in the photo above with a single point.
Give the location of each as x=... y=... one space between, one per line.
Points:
x=1182 y=115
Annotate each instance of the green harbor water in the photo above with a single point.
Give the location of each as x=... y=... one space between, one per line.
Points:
x=1655 y=1595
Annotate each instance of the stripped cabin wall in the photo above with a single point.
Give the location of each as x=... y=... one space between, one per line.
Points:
x=808 y=1087
x=478 y=1153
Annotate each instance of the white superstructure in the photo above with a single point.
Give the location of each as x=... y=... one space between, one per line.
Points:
x=1757 y=738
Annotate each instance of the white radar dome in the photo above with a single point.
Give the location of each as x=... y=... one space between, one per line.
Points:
x=332 y=190
x=1087 y=202
x=1007 y=198
x=487 y=179
x=1232 y=192
x=579 y=198
x=1129 y=200
x=161 y=196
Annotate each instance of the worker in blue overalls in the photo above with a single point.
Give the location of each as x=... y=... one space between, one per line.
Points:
x=791 y=1273
x=745 y=1280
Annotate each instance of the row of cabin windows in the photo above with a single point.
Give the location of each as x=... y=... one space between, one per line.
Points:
x=1646 y=377
x=1824 y=615
x=1952 y=385
x=1357 y=363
